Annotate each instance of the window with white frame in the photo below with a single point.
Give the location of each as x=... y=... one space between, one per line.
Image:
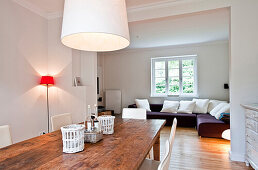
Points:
x=174 y=76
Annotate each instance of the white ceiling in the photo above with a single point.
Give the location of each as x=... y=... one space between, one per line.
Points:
x=52 y=6
x=190 y=28
x=48 y=6
x=184 y=29
x=134 y=3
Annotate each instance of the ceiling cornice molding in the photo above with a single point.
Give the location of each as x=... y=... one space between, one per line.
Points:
x=192 y=45
x=156 y=5
x=32 y=8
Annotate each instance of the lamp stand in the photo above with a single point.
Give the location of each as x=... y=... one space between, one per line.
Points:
x=47 y=81
x=47 y=111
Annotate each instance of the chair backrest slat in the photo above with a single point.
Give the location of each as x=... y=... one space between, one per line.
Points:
x=134 y=113
x=164 y=164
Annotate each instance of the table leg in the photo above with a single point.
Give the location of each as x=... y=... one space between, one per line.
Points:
x=156 y=149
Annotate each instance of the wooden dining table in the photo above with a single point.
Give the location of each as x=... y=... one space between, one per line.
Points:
x=125 y=149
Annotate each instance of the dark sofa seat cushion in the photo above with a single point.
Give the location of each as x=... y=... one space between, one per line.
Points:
x=183 y=119
x=209 y=126
x=132 y=106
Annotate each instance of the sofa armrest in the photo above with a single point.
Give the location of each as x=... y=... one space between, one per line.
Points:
x=132 y=106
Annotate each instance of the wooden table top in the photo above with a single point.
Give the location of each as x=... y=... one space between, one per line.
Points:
x=125 y=149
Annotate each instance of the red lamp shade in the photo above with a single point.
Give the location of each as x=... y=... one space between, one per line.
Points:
x=47 y=80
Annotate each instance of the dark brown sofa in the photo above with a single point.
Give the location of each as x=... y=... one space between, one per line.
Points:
x=206 y=125
x=209 y=126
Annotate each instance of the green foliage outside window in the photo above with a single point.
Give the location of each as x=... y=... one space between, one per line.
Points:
x=188 y=72
x=188 y=63
x=174 y=89
x=161 y=87
x=173 y=64
x=188 y=88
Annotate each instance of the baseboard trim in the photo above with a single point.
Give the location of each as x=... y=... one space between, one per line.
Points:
x=237 y=157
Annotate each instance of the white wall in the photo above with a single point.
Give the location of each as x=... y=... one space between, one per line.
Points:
x=23 y=58
x=130 y=70
x=65 y=97
x=243 y=72
x=30 y=47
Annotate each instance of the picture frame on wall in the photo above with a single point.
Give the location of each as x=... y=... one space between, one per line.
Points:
x=77 y=81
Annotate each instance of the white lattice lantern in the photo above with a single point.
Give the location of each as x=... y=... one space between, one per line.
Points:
x=73 y=138
x=107 y=124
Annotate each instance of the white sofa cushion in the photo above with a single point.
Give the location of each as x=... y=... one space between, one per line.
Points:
x=201 y=105
x=217 y=108
x=186 y=107
x=213 y=104
x=224 y=109
x=170 y=106
x=143 y=103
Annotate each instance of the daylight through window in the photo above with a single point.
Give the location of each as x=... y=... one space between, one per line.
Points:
x=174 y=76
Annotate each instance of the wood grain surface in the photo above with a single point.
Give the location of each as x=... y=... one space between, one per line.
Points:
x=190 y=152
x=125 y=149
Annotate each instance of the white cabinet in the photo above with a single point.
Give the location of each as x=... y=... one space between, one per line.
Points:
x=251 y=126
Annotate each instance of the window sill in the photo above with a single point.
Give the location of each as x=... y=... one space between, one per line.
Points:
x=175 y=96
x=158 y=96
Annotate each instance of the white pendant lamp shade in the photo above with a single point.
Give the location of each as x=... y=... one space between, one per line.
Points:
x=95 y=25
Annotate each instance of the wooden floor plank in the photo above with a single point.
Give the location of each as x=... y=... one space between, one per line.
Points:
x=190 y=152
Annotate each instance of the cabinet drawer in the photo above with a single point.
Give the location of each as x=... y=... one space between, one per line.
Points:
x=252 y=138
x=251 y=153
x=251 y=124
x=252 y=114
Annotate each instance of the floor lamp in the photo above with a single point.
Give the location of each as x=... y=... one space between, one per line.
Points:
x=47 y=81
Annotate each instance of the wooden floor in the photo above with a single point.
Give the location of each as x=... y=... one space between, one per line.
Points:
x=192 y=152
